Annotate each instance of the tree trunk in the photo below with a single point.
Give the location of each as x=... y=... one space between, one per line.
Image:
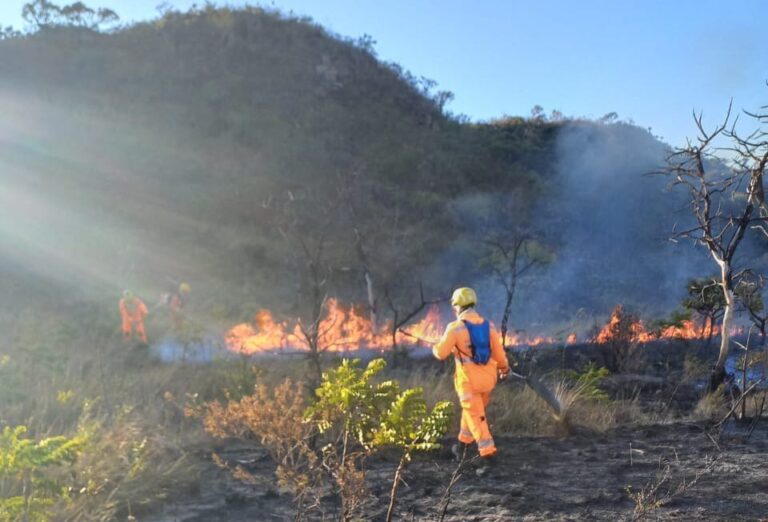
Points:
x=27 y=494
x=316 y=369
x=395 y=486
x=505 y=317
x=744 y=386
x=718 y=372
x=313 y=336
x=399 y=352
x=345 y=510
x=371 y=300
x=368 y=279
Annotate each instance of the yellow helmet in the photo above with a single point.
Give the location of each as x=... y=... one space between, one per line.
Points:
x=464 y=297
x=184 y=288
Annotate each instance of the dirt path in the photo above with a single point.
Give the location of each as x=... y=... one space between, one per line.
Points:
x=583 y=477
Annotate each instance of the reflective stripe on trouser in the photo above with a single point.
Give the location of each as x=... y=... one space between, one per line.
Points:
x=465 y=435
x=474 y=426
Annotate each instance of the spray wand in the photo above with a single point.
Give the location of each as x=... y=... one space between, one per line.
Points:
x=419 y=339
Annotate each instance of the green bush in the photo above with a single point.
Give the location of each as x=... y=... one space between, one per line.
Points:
x=589 y=380
x=28 y=483
x=352 y=407
x=325 y=444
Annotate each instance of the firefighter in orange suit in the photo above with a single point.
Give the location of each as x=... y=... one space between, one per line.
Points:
x=473 y=381
x=133 y=311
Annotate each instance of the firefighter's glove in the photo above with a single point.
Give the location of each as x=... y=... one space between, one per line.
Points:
x=503 y=374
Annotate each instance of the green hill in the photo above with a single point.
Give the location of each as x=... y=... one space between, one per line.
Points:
x=159 y=146
x=208 y=146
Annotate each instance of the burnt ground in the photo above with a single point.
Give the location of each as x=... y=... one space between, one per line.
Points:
x=585 y=476
x=582 y=477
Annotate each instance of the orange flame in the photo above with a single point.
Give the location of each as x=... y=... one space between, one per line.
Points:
x=623 y=326
x=687 y=330
x=520 y=339
x=343 y=329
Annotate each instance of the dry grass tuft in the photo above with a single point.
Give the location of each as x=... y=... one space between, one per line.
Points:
x=520 y=411
x=515 y=409
x=711 y=406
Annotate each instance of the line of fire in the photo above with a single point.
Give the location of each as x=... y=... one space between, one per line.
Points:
x=347 y=329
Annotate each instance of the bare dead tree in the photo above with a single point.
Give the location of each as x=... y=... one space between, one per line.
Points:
x=384 y=242
x=362 y=253
x=505 y=241
x=402 y=317
x=310 y=246
x=725 y=204
x=313 y=254
x=510 y=259
x=352 y=195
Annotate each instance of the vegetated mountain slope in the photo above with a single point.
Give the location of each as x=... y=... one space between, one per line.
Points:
x=210 y=145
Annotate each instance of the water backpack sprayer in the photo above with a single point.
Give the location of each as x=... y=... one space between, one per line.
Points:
x=479 y=341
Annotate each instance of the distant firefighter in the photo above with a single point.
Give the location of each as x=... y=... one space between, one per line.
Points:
x=133 y=311
x=176 y=300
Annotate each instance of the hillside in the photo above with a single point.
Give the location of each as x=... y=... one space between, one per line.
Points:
x=208 y=146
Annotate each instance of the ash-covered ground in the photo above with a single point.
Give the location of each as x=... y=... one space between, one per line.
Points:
x=585 y=476
x=674 y=464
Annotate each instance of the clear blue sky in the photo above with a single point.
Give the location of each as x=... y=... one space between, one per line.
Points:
x=652 y=61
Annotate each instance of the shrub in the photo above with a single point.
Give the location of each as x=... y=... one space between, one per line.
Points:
x=326 y=443
x=276 y=418
x=29 y=486
x=376 y=416
x=588 y=380
x=619 y=342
